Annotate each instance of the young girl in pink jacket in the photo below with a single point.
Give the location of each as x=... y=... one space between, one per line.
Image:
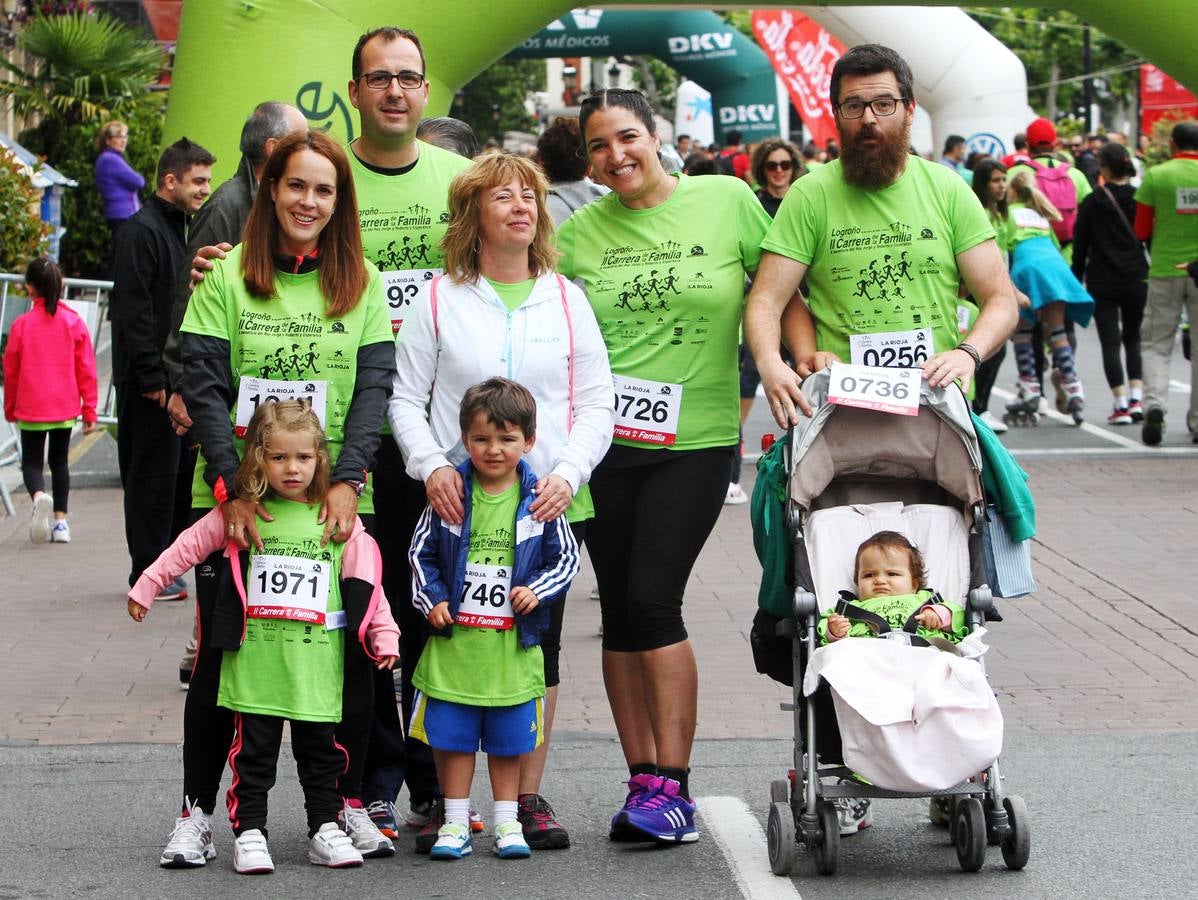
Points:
x=49 y=379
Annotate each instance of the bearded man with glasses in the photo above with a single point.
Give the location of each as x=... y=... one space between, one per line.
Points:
x=884 y=239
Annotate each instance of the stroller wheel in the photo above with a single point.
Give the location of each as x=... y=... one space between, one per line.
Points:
x=969 y=833
x=826 y=846
x=779 y=791
x=780 y=838
x=1017 y=845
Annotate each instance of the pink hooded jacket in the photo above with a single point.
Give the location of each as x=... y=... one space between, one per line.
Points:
x=49 y=367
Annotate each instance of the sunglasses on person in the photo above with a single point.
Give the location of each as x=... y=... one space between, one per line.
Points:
x=781 y=165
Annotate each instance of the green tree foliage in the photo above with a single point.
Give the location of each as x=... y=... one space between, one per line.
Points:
x=21 y=228
x=1049 y=43
x=494 y=101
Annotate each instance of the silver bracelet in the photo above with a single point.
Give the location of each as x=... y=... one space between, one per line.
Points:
x=973 y=352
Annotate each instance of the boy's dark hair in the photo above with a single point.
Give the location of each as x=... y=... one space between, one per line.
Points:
x=45 y=280
x=892 y=540
x=1185 y=135
x=503 y=402
x=179 y=157
x=872 y=59
x=388 y=33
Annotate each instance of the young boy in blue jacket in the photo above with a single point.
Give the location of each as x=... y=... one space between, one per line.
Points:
x=486 y=586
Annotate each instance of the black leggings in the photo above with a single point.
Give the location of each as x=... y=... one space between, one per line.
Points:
x=987 y=374
x=1114 y=303
x=33 y=448
x=654 y=510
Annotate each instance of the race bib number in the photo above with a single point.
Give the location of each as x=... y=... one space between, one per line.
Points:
x=402 y=287
x=253 y=392
x=292 y=588
x=903 y=349
x=1187 y=201
x=1029 y=218
x=485 y=601
x=647 y=411
x=869 y=387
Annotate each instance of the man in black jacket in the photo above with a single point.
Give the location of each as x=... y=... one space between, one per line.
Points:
x=147 y=255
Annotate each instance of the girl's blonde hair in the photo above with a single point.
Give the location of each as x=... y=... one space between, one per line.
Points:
x=461 y=243
x=292 y=416
x=1023 y=187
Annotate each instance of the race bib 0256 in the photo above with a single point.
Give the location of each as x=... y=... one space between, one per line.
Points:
x=255 y=391
x=903 y=349
x=647 y=411
x=289 y=587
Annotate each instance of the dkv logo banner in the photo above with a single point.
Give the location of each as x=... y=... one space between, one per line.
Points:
x=803 y=54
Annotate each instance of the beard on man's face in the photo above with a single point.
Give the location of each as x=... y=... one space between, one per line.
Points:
x=874 y=166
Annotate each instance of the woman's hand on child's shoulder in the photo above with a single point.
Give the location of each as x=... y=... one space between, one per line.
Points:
x=523 y=600
x=137 y=612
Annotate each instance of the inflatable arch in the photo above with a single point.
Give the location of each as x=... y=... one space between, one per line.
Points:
x=229 y=52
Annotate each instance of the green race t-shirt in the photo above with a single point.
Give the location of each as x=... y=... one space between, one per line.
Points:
x=289 y=338
x=291 y=663
x=667 y=285
x=1171 y=189
x=484 y=666
x=896 y=609
x=1023 y=222
x=881 y=262
x=45 y=426
x=513 y=295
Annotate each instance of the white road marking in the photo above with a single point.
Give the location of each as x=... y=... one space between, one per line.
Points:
x=1178 y=386
x=1104 y=451
x=742 y=842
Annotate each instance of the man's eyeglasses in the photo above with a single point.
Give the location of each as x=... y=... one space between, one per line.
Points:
x=882 y=106
x=784 y=165
x=380 y=81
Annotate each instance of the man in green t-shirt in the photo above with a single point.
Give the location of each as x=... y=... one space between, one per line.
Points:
x=884 y=239
x=1167 y=213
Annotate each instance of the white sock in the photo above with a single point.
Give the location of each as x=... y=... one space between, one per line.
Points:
x=1136 y=393
x=505 y=811
x=457 y=811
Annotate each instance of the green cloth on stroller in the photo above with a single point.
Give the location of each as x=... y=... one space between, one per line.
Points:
x=1005 y=483
x=771 y=535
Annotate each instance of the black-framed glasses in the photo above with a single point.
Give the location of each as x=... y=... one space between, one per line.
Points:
x=779 y=165
x=380 y=81
x=882 y=106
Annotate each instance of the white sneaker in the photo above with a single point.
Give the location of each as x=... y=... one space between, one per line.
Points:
x=250 y=854
x=735 y=496
x=331 y=847
x=42 y=520
x=190 y=843
x=355 y=821
x=60 y=533
x=998 y=426
x=855 y=813
x=509 y=841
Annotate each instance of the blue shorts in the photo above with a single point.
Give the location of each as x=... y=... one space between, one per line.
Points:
x=497 y=730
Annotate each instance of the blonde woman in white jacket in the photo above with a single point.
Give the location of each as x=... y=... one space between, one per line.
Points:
x=502 y=310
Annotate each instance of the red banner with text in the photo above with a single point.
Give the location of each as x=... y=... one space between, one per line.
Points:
x=1161 y=96
x=803 y=54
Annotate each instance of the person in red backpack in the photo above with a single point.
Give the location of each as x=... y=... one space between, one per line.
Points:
x=49 y=379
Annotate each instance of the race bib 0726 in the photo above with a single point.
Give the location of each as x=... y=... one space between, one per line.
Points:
x=485 y=598
x=903 y=349
x=402 y=287
x=885 y=390
x=647 y=411
x=253 y=392
x=288 y=587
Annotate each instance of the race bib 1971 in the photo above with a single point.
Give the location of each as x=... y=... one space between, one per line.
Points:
x=485 y=598
x=903 y=349
x=289 y=587
x=869 y=387
x=647 y=411
x=1029 y=218
x=402 y=287
x=255 y=391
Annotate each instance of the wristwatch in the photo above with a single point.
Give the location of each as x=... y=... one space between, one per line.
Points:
x=358 y=486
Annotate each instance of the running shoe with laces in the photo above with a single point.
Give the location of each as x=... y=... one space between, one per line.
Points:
x=639 y=787
x=541 y=829
x=60 y=532
x=1120 y=415
x=382 y=814
x=735 y=496
x=664 y=815
x=368 y=840
x=1135 y=409
x=855 y=813
x=190 y=844
x=453 y=842
x=509 y=842
x=251 y=855
x=42 y=519
x=332 y=847
x=430 y=833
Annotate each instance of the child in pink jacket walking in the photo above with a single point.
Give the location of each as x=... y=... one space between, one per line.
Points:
x=49 y=379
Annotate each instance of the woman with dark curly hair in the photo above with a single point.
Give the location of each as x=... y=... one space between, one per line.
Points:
x=775 y=166
x=560 y=153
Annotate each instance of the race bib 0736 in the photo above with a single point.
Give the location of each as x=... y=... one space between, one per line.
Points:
x=402 y=287
x=903 y=349
x=253 y=392
x=288 y=587
x=869 y=387
x=647 y=411
x=485 y=598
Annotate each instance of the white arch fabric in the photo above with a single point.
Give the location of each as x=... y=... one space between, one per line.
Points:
x=967 y=81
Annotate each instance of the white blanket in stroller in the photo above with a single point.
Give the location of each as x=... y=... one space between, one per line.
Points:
x=911 y=718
